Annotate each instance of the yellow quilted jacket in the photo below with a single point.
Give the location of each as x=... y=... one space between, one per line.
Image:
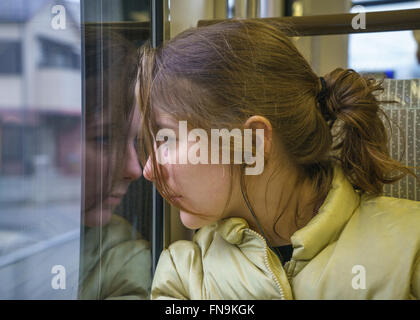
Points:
x=354 y=248
x=114 y=265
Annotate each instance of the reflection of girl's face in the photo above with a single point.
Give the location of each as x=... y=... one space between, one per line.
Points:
x=99 y=200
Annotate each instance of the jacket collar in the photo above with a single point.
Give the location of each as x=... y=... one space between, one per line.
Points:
x=326 y=226
x=323 y=229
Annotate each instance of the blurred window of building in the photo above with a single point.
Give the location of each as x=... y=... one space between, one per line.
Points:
x=55 y=54
x=10 y=57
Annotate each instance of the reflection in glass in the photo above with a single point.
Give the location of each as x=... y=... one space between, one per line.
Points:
x=116 y=261
x=115 y=243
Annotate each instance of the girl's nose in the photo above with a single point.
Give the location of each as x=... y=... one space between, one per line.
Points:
x=148 y=170
x=133 y=169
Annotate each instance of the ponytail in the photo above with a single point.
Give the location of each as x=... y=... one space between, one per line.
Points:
x=360 y=139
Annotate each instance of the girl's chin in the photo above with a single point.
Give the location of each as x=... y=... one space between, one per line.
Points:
x=192 y=221
x=97 y=217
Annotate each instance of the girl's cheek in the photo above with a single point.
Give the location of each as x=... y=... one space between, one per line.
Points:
x=166 y=154
x=177 y=152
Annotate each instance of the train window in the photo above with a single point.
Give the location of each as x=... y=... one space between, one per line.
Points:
x=40 y=149
x=393 y=55
x=116 y=219
x=76 y=213
x=278 y=8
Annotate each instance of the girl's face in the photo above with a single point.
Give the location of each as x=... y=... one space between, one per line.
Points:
x=201 y=191
x=99 y=200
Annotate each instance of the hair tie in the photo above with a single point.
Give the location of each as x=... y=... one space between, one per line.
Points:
x=323 y=86
x=321 y=98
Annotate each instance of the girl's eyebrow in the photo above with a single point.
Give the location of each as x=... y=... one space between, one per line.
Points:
x=102 y=130
x=107 y=126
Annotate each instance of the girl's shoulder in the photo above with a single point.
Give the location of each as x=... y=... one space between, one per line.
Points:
x=391 y=213
x=390 y=205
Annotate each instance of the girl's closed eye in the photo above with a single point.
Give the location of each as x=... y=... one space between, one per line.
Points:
x=102 y=140
x=136 y=142
x=163 y=137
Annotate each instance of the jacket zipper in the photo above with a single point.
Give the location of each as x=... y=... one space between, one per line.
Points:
x=267 y=265
x=289 y=268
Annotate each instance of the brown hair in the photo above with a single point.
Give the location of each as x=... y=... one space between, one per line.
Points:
x=217 y=76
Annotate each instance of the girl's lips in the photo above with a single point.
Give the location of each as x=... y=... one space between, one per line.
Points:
x=175 y=199
x=114 y=200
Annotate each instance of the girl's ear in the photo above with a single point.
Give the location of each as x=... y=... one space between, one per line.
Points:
x=260 y=122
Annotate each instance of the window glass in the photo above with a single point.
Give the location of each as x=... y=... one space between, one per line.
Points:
x=58 y=55
x=76 y=213
x=40 y=150
x=117 y=203
x=392 y=55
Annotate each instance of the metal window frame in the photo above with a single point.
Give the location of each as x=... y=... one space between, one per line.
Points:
x=317 y=25
x=161 y=209
x=379 y=2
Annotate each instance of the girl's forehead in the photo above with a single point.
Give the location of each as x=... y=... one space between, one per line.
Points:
x=164 y=118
